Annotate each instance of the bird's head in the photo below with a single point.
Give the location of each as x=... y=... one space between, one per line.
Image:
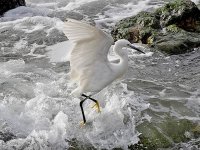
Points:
x=125 y=43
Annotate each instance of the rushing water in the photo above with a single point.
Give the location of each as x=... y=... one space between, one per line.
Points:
x=36 y=108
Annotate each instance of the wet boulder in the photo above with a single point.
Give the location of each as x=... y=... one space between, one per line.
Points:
x=184 y=13
x=6 y=136
x=172 y=29
x=165 y=134
x=137 y=28
x=6 y=5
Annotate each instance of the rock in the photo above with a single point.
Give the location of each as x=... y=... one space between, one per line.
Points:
x=137 y=28
x=196 y=131
x=165 y=134
x=177 y=43
x=6 y=136
x=152 y=138
x=6 y=5
x=172 y=29
x=183 y=13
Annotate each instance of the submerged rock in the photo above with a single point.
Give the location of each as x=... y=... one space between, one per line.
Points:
x=6 y=5
x=165 y=134
x=173 y=28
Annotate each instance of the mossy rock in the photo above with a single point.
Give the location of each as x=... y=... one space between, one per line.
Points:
x=137 y=28
x=172 y=29
x=176 y=129
x=151 y=137
x=183 y=13
x=196 y=131
x=165 y=134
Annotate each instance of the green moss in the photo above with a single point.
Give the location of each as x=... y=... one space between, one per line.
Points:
x=173 y=28
x=174 y=6
x=145 y=34
x=176 y=129
x=165 y=134
x=148 y=35
x=178 y=12
x=144 y=21
x=151 y=137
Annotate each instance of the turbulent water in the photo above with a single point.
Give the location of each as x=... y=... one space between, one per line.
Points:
x=36 y=108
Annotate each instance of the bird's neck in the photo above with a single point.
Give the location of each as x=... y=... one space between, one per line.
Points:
x=122 y=66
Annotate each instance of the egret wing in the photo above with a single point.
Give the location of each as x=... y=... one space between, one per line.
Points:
x=91 y=46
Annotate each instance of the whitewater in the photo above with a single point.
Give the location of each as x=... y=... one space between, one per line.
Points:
x=36 y=108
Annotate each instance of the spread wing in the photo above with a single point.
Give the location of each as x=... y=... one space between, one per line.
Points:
x=91 y=47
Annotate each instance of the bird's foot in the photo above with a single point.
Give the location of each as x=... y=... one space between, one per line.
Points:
x=97 y=107
x=82 y=124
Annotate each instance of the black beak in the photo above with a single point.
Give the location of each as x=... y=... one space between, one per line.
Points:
x=133 y=47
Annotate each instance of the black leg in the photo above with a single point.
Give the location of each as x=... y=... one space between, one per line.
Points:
x=81 y=105
x=85 y=96
x=94 y=100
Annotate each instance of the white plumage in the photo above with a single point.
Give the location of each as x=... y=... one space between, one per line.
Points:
x=90 y=67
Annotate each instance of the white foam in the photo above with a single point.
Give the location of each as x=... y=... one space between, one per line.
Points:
x=11 y=66
x=20 y=44
x=21 y=12
x=54 y=138
x=30 y=24
x=50 y=119
x=196 y=1
x=75 y=4
x=116 y=13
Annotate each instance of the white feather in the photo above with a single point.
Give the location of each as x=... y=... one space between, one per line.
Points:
x=90 y=50
x=90 y=67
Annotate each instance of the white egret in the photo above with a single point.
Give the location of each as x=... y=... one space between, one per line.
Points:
x=90 y=67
